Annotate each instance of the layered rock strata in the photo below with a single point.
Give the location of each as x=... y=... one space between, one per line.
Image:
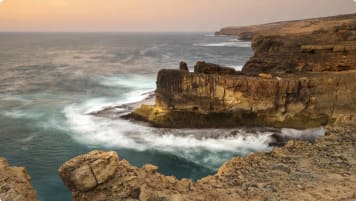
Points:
x=197 y=100
x=331 y=49
x=15 y=183
x=325 y=170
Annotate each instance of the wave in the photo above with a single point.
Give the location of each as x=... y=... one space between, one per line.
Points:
x=205 y=147
x=98 y=131
x=128 y=81
x=236 y=67
x=19 y=114
x=234 y=43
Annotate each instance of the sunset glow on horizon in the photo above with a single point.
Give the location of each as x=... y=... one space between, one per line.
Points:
x=157 y=15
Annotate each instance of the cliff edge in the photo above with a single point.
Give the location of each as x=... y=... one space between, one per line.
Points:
x=304 y=26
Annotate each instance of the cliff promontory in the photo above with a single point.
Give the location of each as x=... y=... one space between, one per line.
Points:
x=287 y=27
x=299 y=80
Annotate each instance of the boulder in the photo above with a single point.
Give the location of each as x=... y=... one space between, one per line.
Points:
x=86 y=172
x=183 y=66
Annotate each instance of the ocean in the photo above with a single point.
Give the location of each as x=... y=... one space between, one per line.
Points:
x=51 y=82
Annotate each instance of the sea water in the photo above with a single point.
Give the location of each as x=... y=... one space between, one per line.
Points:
x=51 y=82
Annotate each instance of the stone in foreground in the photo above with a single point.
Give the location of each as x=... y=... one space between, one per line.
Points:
x=15 y=183
x=86 y=172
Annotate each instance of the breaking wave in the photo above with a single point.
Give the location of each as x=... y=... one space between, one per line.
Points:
x=230 y=43
x=205 y=147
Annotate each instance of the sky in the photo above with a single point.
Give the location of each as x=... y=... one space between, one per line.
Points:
x=157 y=15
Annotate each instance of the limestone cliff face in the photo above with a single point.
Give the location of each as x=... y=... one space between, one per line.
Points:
x=15 y=183
x=299 y=171
x=186 y=99
x=331 y=49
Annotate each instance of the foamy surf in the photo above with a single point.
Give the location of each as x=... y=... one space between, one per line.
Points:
x=230 y=43
x=206 y=147
x=99 y=131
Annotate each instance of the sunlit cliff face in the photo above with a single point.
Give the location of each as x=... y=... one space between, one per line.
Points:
x=157 y=15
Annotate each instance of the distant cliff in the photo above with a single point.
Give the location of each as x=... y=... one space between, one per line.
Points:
x=287 y=27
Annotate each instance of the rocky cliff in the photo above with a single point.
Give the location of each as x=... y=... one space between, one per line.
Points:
x=287 y=27
x=186 y=99
x=325 y=170
x=331 y=49
x=296 y=80
x=15 y=183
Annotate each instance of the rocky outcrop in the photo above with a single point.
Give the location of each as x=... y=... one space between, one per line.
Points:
x=197 y=100
x=325 y=170
x=305 y=26
x=297 y=79
x=15 y=183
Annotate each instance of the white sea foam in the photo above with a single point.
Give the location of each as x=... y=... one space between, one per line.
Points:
x=19 y=114
x=236 y=67
x=130 y=81
x=230 y=43
x=307 y=134
x=28 y=139
x=218 y=145
x=206 y=147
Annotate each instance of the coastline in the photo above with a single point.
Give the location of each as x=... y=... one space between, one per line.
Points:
x=302 y=80
x=294 y=172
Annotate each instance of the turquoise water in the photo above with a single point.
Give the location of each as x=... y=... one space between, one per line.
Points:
x=51 y=82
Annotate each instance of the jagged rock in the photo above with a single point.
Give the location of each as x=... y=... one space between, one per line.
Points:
x=183 y=66
x=209 y=68
x=298 y=171
x=86 y=172
x=15 y=183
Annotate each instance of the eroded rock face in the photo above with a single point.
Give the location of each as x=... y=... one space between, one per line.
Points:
x=84 y=173
x=15 y=183
x=333 y=49
x=212 y=100
x=325 y=170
